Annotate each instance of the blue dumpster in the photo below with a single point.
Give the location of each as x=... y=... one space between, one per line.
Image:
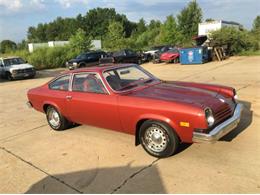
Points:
x=194 y=55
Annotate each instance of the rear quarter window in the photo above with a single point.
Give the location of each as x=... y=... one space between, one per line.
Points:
x=62 y=83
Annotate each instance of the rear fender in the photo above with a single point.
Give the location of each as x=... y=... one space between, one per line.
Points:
x=51 y=104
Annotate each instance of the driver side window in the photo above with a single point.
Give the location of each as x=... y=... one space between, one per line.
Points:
x=88 y=82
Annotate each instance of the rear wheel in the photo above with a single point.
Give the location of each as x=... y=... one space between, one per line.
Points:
x=158 y=139
x=56 y=120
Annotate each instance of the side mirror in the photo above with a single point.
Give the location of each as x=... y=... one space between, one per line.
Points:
x=26 y=61
x=1 y=65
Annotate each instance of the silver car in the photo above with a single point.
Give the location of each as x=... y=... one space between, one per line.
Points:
x=15 y=67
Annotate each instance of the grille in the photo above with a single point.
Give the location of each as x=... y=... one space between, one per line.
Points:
x=27 y=70
x=223 y=113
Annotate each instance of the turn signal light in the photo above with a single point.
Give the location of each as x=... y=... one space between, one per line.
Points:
x=184 y=124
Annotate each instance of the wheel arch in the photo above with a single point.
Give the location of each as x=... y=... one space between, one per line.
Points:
x=47 y=104
x=158 y=118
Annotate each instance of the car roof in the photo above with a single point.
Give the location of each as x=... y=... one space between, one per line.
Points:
x=92 y=52
x=9 y=57
x=100 y=68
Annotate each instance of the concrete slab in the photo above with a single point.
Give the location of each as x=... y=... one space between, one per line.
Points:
x=35 y=159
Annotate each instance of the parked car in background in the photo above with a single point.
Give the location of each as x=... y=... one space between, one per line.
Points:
x=172 y=55
x=86 y=59
x=127 y=98
x=156 y=57
x=150 y=53
x=123 y=56
x=15 y=68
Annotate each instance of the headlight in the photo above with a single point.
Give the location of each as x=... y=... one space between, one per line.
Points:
x=75 y=63
x=235 y=94
x=209 y=117
x=14 y=71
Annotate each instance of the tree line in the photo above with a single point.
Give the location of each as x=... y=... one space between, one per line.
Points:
x=117 y=32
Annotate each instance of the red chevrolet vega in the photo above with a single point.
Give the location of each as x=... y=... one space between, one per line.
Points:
x=127 y=98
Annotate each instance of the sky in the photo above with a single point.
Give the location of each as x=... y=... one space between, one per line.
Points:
x=17 y=15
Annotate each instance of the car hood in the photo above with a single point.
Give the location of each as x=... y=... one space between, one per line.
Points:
x=171 y=91
x=20 y=66
x=74 y=60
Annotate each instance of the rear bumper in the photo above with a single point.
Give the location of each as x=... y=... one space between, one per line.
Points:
x=29 y=104
x=220 y=130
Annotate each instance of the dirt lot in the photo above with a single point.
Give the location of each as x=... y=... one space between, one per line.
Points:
x=35 y=159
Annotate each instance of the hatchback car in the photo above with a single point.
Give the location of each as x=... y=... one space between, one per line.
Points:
x=127 y=98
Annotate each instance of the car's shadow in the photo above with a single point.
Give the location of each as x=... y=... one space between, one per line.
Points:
x=125 y=179
x=245 y=121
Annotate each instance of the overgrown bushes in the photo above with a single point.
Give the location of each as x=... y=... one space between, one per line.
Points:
x=44 y=58
x=237 y=40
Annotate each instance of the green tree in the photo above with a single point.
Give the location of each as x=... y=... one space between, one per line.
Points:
x=256 y=24
x=169 y=33
x=141 y=27
x=7 y=46
x=188 y=20
x=256 y=28
x=94 y=23
x=115 y=39
x=80 y=42
x=237 y=40
x=209 y=20
x=22 y=45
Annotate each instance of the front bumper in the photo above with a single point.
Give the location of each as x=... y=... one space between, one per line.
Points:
x=220 y=130
x=24 y=75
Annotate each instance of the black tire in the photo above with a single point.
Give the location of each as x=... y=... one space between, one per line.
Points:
x=9 y=76
x=82 y=65
x=170 y=141
x=63 y=122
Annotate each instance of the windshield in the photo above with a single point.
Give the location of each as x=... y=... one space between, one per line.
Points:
x=126 y=78
x=81 y=56
x=13 y=61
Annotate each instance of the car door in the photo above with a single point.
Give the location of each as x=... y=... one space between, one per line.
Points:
x=90 y=59
x=131 y=56
x=90 y=103
x=57 y=92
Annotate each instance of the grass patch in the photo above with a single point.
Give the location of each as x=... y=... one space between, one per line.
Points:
x=250 y=53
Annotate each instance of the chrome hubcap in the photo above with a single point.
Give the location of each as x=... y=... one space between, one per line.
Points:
x=155 y=139
x=54 y=118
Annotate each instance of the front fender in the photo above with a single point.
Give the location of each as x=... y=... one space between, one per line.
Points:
x=161 y=118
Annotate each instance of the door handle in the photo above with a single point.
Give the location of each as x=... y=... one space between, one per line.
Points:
x=68 y=97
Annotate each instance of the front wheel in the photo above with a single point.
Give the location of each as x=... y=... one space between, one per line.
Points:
x=158 y=139
x=9 y=76
x=56 y=121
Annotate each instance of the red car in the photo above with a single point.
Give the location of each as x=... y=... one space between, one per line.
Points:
x=171 y=55
x=127 y=98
